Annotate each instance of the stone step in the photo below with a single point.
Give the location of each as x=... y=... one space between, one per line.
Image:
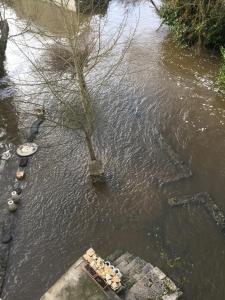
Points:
x=173 y=296
x=124 y=257
x=114 y=255
x=134 y=267
x=147 y=268
x=144 y=289
x=122 y=266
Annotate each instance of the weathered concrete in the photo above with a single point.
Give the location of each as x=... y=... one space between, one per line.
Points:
x=142 y=282
x=76 y=284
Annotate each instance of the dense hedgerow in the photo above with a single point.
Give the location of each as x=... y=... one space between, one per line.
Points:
x=196 y=22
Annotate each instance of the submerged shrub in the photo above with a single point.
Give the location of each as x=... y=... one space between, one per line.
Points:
x=221 y=77
x=196 y=22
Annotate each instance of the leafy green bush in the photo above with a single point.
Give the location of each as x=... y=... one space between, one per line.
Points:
x=196 y=22
x=221 y=77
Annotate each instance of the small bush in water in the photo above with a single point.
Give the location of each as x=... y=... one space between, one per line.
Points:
x=221 y=77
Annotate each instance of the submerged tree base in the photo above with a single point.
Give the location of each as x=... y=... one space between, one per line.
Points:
x=96 y=171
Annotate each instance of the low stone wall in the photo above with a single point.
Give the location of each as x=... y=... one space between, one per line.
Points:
x=175 y=168
x=204 y=199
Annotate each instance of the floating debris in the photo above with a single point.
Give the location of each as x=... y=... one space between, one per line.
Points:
x=12 y=205
x=16 y=195
x=40 y=111
x=27 y=149
x=20 y=174
x=23 y=162
x=6 y=155
x=105 y=270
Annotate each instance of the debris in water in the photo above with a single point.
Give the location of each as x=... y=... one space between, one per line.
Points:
x=12 y=206
x=20 y=173
x=23 y=162
x=110 y=274
x=27 y=149
x=6 y=155
x=16 y=195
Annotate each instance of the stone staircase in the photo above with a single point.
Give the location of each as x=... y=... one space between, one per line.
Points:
x=142 y=280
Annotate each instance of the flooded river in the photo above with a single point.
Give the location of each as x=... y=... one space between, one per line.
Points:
x=166 y=91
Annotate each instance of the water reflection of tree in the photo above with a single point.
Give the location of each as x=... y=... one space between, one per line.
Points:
x=8 y=115
x=9 y=121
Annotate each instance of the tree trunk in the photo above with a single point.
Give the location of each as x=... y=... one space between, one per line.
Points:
x=4 y=30
x=90 y=146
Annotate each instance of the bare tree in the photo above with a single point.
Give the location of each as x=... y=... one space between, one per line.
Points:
x=4 y=33
x=76 y=64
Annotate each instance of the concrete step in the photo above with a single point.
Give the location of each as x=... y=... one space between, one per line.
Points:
x=135 y=266
x=114 y=255
x=144 y=290
x=124 y=263
x=147 y=268
x=124 y=257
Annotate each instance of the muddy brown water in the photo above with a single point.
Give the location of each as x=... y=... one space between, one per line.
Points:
x=167 y=89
